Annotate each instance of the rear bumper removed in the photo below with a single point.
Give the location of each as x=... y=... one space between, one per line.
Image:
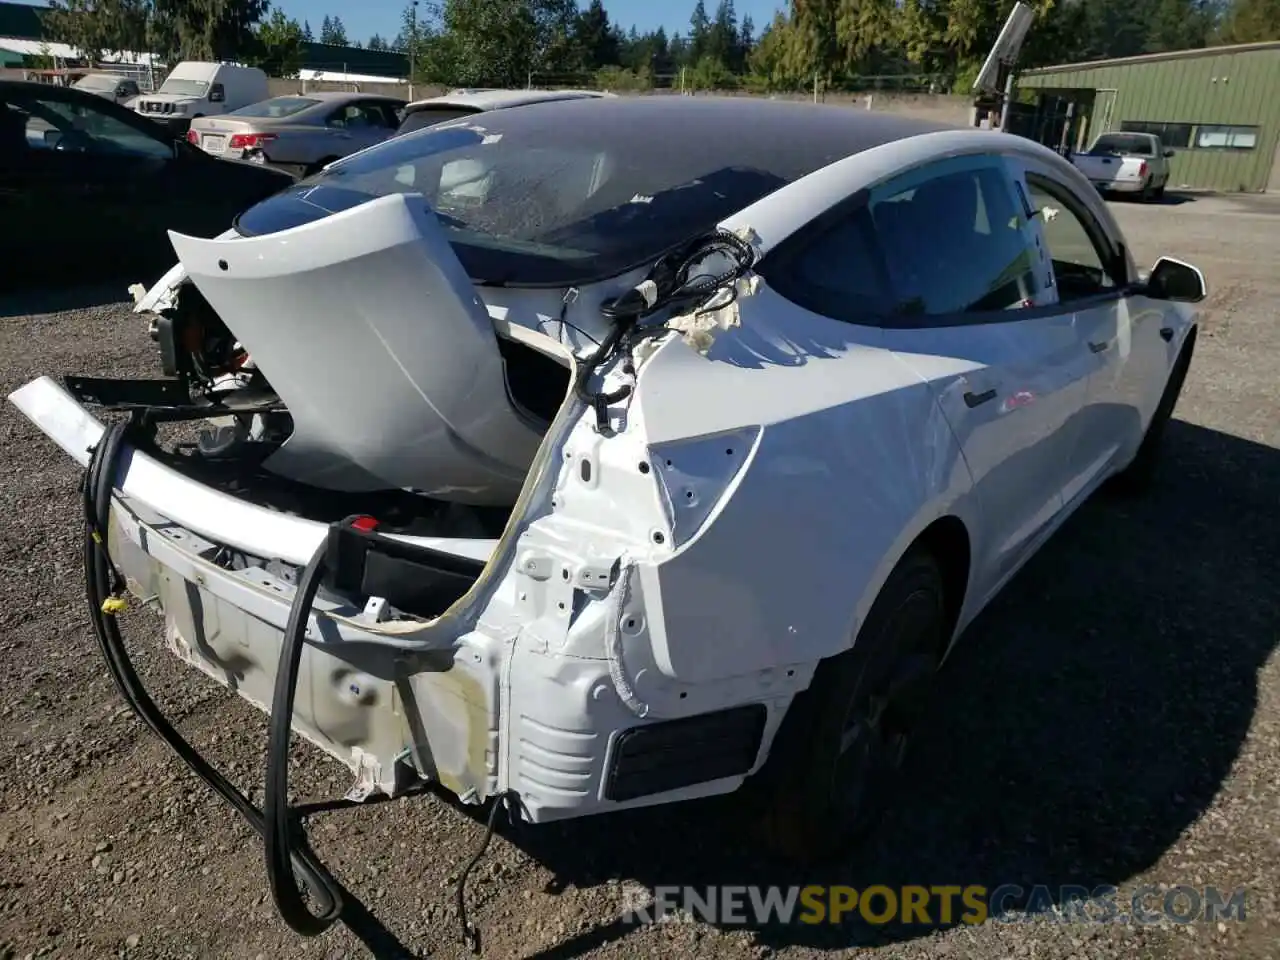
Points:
x=475 y=703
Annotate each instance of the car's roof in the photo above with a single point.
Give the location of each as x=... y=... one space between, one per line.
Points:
x=498 y=99
x=787 y=139
x=334 y=96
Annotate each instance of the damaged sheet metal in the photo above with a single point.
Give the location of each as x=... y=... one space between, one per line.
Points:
x=700 y=328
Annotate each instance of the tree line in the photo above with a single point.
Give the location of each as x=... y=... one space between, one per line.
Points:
x=833 y=43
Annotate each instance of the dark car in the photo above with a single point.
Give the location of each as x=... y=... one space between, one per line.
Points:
x=89 y=189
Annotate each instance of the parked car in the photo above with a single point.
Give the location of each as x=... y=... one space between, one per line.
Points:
x=302 y=132
x=110 y=85
x=196 y=88
x=1135 y=163
x=582 y=464
x=90 y=188
x=467 y=102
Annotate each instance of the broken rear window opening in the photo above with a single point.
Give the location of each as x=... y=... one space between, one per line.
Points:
x=523 y=204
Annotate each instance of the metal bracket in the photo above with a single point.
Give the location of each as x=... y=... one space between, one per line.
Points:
x=367 y=772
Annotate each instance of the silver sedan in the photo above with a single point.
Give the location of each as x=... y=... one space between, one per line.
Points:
x=299 y=132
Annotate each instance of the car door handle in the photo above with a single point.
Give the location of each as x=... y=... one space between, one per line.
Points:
x=1166 y=334
x=1099 y=346
x=972 y=400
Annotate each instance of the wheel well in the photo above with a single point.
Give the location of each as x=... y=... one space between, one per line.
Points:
x=947 y=541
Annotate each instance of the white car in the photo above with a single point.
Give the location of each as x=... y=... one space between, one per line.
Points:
x=469 y=102
x=616 y=452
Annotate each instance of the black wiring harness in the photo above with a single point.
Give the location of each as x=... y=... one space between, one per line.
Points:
x=675 y=284
x=288 y=854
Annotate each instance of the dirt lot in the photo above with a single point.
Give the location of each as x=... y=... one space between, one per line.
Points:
x=1114 y=719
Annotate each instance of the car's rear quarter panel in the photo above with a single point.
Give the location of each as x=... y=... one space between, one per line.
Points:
x=854 y=461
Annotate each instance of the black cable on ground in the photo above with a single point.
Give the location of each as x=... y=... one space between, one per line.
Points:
x=288 y=855
x=470 y=932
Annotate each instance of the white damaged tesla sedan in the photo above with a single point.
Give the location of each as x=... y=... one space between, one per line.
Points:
x=614 y=452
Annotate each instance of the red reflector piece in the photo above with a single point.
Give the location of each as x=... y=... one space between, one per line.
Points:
x=364 y=524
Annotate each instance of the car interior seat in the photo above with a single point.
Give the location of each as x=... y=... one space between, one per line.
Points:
x=947 y=247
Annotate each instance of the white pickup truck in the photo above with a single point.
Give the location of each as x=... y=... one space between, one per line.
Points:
x=1127 y=163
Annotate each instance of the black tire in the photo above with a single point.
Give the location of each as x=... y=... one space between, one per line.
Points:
x=818 y=793
x=1138 y=476
x=1159 y=193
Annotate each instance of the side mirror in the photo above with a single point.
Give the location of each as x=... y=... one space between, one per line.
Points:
x=217 y=96
x=1174 y=280
x=1168 y=153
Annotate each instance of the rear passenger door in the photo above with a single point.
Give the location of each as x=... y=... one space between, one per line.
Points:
x=976 y=316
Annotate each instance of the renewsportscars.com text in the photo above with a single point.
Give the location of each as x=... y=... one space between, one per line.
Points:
x=931 y=905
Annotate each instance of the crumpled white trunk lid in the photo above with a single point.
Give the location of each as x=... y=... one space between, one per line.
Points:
x=372 y=334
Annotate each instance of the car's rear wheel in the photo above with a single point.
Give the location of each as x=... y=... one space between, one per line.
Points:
x=1139 y=474
x=837 y=759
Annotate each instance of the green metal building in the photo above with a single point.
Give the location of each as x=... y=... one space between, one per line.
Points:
x=1218 y=108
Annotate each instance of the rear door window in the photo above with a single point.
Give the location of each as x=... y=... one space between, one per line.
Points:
x=387 y=113
x=954 y=239
x=839 y=273
x=355 y=116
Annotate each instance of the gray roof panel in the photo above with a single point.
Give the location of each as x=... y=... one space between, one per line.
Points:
x=785 y=138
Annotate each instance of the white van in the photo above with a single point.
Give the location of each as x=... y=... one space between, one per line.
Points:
x=197 y=89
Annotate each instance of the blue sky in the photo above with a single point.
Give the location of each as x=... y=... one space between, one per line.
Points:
x=368 y=17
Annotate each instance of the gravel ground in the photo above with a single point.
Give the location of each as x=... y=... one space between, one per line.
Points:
x=1113 y=719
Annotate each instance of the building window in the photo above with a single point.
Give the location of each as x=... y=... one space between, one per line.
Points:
x=1176 y=136
x=1225 y=137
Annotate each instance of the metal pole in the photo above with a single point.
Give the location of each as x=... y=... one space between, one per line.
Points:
x=1008 y=101
x=413 y=43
